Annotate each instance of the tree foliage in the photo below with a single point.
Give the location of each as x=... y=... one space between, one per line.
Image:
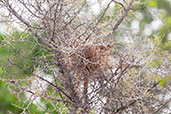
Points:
x=67 y=59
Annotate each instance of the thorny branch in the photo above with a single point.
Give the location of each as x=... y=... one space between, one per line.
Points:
x=88 y=73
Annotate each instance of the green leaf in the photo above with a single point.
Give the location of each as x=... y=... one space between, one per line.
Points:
x=153 y=3
x=156 y=62
x=166 y=46
x=1 y=71
x=162 y=82
x=163 y=33
x=1 y=38
x=169 y=20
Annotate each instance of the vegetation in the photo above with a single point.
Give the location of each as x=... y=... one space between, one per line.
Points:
x=61 y=57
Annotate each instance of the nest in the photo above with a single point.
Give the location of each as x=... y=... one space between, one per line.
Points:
x=90 y=60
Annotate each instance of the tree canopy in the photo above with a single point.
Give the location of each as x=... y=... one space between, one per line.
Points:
x=59 y=56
